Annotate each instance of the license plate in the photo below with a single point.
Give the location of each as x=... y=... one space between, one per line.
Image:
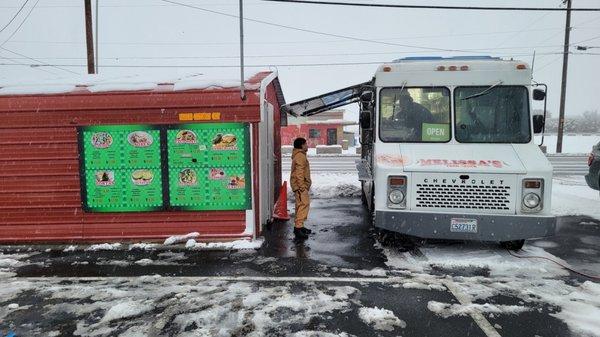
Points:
x=463 y=225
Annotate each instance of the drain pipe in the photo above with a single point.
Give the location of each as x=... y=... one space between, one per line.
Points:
x=242 y=92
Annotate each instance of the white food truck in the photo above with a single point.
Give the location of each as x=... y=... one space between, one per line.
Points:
x=448 y=149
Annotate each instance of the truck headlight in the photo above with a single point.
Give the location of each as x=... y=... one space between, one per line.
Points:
x=532 y=192
x=396 y=196
x=531 y=200
x=397 y=192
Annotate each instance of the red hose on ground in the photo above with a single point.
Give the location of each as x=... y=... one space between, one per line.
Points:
x=593 y=277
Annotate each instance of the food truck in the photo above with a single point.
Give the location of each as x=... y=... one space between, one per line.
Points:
x=448 y=150
x=130 y=159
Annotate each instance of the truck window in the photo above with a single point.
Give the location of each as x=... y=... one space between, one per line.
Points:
x=496 y=115
x=414 y=114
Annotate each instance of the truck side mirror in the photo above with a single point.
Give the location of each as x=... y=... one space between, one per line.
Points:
x=539 y=95
x=364 y=119
x=538 y=123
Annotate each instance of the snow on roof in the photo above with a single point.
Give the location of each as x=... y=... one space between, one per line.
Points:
x=102 y=83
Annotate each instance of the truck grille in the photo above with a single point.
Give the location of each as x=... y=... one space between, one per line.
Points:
x=464 y=196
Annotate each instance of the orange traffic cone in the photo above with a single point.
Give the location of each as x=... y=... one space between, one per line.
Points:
x=280 y=210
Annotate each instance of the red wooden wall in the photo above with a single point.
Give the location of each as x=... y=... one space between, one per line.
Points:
x=40 y=196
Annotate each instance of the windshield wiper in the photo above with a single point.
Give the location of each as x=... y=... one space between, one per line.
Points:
x=485 y=92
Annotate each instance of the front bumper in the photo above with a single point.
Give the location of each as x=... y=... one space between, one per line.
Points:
x=489 y=227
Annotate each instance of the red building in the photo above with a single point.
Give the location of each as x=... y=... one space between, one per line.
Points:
x=325 y=129
x=64 y=156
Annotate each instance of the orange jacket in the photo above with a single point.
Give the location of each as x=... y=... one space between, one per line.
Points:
x=300 y=175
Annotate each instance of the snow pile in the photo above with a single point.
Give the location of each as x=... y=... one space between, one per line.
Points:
x=380 y=319
x=180 y=238
x=69 y=249
x=8 y=262
x=375 y=272
x=144 y=262
x=104 y=246
x=446 y=310
x=307 y=333
x=332 y=185
x=233 y=245
x=126 y=309
x=143 y=246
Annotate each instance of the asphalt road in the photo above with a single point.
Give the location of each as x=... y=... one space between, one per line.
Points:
x=343 y=254
x=563 y=164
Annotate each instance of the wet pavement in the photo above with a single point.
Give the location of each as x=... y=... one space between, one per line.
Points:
x=342 y=253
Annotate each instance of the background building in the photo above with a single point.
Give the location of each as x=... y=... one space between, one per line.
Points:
x=326 y=128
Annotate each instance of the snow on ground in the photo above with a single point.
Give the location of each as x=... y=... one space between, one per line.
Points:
x=104 y=246
x=536 y=282
x=380 y=319
x=446 y=309
x=331 y=185
x=151 y=306
x=571 y=143
x=232 y=245
x=143 y=246
x=572 y=196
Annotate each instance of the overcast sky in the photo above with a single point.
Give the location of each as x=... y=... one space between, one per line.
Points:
x=156 y=33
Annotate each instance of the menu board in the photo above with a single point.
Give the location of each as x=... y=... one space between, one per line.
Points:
x=209 y=166
x=128 y=168
x=122 y=168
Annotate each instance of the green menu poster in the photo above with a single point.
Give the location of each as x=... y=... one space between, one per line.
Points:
x=209 y=166
x=187 y=187
x=122 y=168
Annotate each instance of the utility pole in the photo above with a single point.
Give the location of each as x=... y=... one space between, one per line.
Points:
x=89 y=37
x=96 y=50
x=563 y=87
x=242 y=89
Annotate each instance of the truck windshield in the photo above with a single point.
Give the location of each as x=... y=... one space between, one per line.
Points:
x=497 y=114
x=414 y=114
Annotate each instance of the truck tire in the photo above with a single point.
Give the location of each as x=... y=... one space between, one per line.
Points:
x=512 y=245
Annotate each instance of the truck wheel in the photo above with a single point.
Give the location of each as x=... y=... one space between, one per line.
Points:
x=512 y=245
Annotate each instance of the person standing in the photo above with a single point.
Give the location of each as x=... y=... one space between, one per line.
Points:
x=300 y=182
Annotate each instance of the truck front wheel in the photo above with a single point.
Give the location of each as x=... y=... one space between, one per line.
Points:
x=512 y=245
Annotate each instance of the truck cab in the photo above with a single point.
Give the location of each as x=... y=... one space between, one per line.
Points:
x=449 y=151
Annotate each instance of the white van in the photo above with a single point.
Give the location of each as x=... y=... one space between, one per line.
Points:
x=448 y=149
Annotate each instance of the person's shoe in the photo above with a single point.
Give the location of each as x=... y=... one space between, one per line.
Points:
x=300 y=234
x=306 y=230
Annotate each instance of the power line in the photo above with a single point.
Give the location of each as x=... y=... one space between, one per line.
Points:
x=16 y=63
x=257 y=56
x=479 y=8
x=169 y=43
x=226 y=66
x=20 y=25
x=42 y=63
x=15 y=16
x=320 y=33
x=590 y=39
